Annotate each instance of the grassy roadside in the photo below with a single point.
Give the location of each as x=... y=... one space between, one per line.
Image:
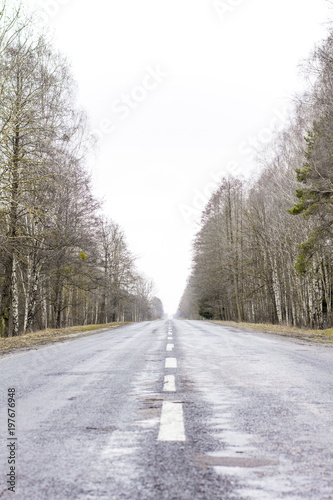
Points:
x=322 y=336
x=50 y=336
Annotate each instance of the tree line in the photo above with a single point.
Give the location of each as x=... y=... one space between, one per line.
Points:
x=263 y=252
x=62 y=263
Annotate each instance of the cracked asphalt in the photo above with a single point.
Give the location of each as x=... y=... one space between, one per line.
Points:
x=257 y=414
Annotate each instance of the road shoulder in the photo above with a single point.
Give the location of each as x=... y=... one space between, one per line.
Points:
x=315 y=336
x=42 y=338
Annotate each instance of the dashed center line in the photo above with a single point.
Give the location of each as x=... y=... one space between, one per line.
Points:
x=171 y=363
x=172 y=426
x=169 y=383
x=172 y=422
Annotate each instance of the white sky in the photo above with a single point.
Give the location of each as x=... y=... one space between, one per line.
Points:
x=227 y=75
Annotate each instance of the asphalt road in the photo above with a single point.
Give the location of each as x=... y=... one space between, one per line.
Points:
x=170 y=410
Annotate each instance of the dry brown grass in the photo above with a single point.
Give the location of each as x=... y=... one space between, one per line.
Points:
x=285 y=331
x=49 y=336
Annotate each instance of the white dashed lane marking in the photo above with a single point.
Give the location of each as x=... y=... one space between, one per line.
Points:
x=171 y=363
x=169 y=383
x=172 y=418
x=172 y=422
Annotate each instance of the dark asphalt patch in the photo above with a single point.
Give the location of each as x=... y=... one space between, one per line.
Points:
x=102 y=429
x=234 y=461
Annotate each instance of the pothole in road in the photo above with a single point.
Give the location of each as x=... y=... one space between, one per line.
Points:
x=234 y=461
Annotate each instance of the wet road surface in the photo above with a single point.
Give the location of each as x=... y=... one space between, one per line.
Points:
x=171 y=410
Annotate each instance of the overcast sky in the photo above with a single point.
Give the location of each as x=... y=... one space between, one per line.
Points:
x=177 y=91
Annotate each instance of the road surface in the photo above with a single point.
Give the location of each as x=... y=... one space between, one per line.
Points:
x=170 y=410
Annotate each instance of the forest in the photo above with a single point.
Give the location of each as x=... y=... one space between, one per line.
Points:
x=62 y=262
x=263 y=253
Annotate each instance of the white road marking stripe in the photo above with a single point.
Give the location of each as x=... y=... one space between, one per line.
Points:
x=169 y=347
x=172 y=422
x=169 y=383
x=171 y=363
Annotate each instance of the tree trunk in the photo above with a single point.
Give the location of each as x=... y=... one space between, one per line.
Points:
x=33 y=297
x=43 y=308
